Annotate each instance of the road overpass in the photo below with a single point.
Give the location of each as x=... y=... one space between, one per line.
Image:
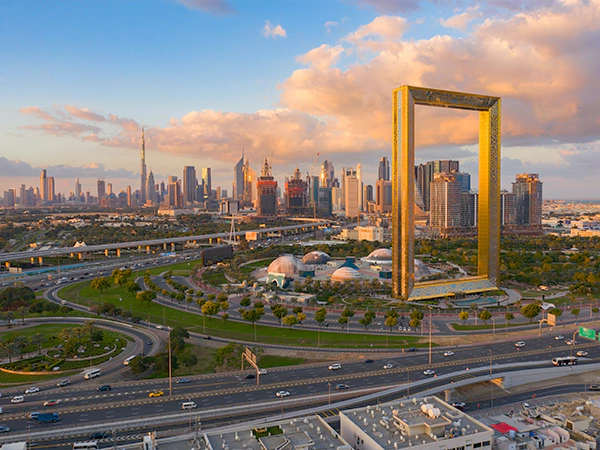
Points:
x=149 y=244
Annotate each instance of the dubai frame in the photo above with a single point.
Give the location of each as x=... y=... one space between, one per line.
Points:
x=403 y=161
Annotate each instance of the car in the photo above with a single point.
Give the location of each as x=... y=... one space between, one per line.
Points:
x=412 y=349
x=282 y=394
x=582 y=353
x=459 y=405
x=570 y=342
x=560 y=337
x=4 y=429
x=519 y=344
x=428 y=372
x=369 y=361
x=183 y=381
x=32 y=390
x=106 y=387
x=63 y=383
x=262 y=371
x=52 y=403
x=449 y=353
x=388 y=366
x=1 y=410
x=34 y=415
x=17 y=399
x=594 y=387
x=159 y=327
x=149 y=342
x=156 y=393
x=335 y=367
x=250 y=376
x=341 y=387
x=100 y=435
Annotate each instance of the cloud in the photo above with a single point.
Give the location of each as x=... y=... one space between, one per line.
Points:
x=16 y=168
x=382 y=27
x=322 y=57
x=273 y=31
x=209 y=6
x=330 y=25
x=462 y=20
x=84 y=114
x=391 y=6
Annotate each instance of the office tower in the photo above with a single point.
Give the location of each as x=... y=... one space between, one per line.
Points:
x=50 y=193
x=249 y=193
x=238 y=179
x=444 y=165
x=218 y=196
x=383 y=173
x=469 y=209
x=109 y=189
x=163 y=191
x=324 y=205
x=296 y=194
x=424 y=176
x=150 y=189
x=9 y=198
x=77 y=190
x=174 y=194
x=508 y=208
x=445 y=201
x=359 y=176
x=266 y=188
x=528 y=191
x=143 y=174
x=327 y=174
x=352 y=192
x=224 y=193
x=22 y=195
x=383 y=196
x=43 y=186
x=464 y=181
x=129 y=197
x=313 y=190
x=101 y=190
x=207 y=182
x=346 y=172
x=337 y=203
x=189 y=185
x=368 y=194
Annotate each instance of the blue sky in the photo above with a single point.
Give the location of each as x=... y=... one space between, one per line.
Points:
x=80 y=77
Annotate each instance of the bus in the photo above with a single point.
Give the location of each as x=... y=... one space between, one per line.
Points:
x=93 y=445
x=564 y=361
x=128 y=360
x=92 y=374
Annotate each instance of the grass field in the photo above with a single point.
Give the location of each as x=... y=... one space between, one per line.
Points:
x=83 y=294
x=499 y=327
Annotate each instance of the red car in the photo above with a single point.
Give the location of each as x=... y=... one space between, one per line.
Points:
x=52 y=403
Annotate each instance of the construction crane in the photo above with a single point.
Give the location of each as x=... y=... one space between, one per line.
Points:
x=310 y=184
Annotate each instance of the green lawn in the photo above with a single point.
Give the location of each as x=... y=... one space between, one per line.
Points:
x=499 y=327
x=7 y=379
x=49 y=329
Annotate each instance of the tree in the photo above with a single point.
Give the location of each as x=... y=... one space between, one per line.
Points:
x=279 y=311
x=301 y=317
x=20 y=342
x=138 y=365
x=253 y=315
x=225 y=317
x=367 y=319
x=100 y=284
x=348 y=312
x=222 y=297
x=9 y=348
x=595 y=310
x=530 y=311
x=22 y=312
x=556 y=311
x=417 y=314
x=146 y=296
x=391 y=321
x=245 y=301
x=97 y=336
x=38 y=340
x=188 y=359
x=343 y=321
x=9 y=316
x=65 y=334
x=320 y=315
x=210 y=308
x=463 y=316
x=575 y=312
x=485 y=315
x=224 y=306
x=78 y=331
x=297 y=309
x=414 y=323
x=290 y=320
x=179 y=333
x=508 y=317
x=132 y=287
x=88 y=327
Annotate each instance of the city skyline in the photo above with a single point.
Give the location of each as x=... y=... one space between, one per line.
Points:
x=351 y=54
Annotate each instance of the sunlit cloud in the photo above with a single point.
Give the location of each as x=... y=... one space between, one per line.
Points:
x=273 y=31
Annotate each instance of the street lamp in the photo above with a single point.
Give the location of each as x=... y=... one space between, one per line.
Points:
x=430 y=322
x=491 y=378
x=572 y=345
x=493 y=326
x=329 y=393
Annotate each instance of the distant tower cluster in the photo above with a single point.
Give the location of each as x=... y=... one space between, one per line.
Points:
x=143 y=174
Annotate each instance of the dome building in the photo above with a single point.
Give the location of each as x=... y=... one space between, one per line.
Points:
x=346 y=274
x=285 y=269
x=316 y=257
x=383 y=257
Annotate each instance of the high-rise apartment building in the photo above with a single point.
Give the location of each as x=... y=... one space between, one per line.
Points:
x=469 y=209
x=207 y=182
x=359 y=176
x=101 y=190
x=351 y=194
x=528 y=191
x=266 y=187
x=50 y=190
x=368 y=194
x=383 y=172
x=9 y=198
x=324 y=205
x=77 y=191
x=174 y=194
x=508 y=208
x=109 y=188
x=129 y=197
x=143 y=174
x=189 y=185
x=43 y=186
x=22 y=195
x=238 y=179
x=445 y=201
x=383 y=196
x=464 y=181
x=327 y=174
x=424 y=176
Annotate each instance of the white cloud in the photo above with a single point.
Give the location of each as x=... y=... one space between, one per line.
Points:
x=330 y=25
x=462 y=20
x=273 y=31
x=209 y=6
x=322 y=57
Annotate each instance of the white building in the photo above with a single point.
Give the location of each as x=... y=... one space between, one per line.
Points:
x=370 y=234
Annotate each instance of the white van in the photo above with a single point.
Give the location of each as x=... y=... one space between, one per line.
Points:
x=188 y=405
x=18 y=399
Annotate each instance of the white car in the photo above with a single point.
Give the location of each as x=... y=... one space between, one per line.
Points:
x=560 y=337
x=449 y=353
x=262 y=371
x=582 y=353
x=32 y=390
x=519 y=344
x=388 y=366
x=428 y=372
x=570 y=342
x=17 y=399
x=159 y=327
x=282 y=394
x=335 y=367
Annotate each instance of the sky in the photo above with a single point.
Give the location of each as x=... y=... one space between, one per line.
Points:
x=290 y=79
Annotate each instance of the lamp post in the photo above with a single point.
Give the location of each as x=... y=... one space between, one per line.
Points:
x=430 y=322
x=572 y=345
x=491 y=376
x=493 y=326
x=329 y=393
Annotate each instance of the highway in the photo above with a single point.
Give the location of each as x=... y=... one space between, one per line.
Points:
x=81 y=404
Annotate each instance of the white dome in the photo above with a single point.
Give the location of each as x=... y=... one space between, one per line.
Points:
x=346 y=274
x=421 y=270
x=381 y=253
x=288 y=265
x=316 y=257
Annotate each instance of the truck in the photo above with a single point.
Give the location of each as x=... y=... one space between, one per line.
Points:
x=47 y=418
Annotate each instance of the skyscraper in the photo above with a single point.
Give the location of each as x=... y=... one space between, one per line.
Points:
x=77 y=190
x=43 y=186
x=266 y=187
x=508 y=208
x=238 y=179
x=296 y=194
x=101 y=190
x=50 y=192
x=129 y=199
x=150 y=189
x=189 y=185
x=351 y=194
x=207 y=182
x=383 y=196
x=445 y=201
x=109 y=189
x=528 y=191
x=143 y=175
x=383 y=172
x=249 y=193
x=327 y=174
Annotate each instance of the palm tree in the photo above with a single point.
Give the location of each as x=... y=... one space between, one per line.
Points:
x=38 y=340
x=65 y=334
x=20 y=342
x=22 y=312
x=9 y=316
x=9 y=349
x=89 y=328
x=78 y=332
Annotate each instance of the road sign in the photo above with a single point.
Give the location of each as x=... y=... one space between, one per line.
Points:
x=587 y=333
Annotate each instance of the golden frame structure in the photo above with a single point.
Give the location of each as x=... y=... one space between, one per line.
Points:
x=403 y=162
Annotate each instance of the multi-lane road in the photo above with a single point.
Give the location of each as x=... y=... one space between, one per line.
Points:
x=82 y=404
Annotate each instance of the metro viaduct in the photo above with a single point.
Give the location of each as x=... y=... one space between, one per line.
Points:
x=167 y=244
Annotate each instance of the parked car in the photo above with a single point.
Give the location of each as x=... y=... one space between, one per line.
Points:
x=282 y=394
